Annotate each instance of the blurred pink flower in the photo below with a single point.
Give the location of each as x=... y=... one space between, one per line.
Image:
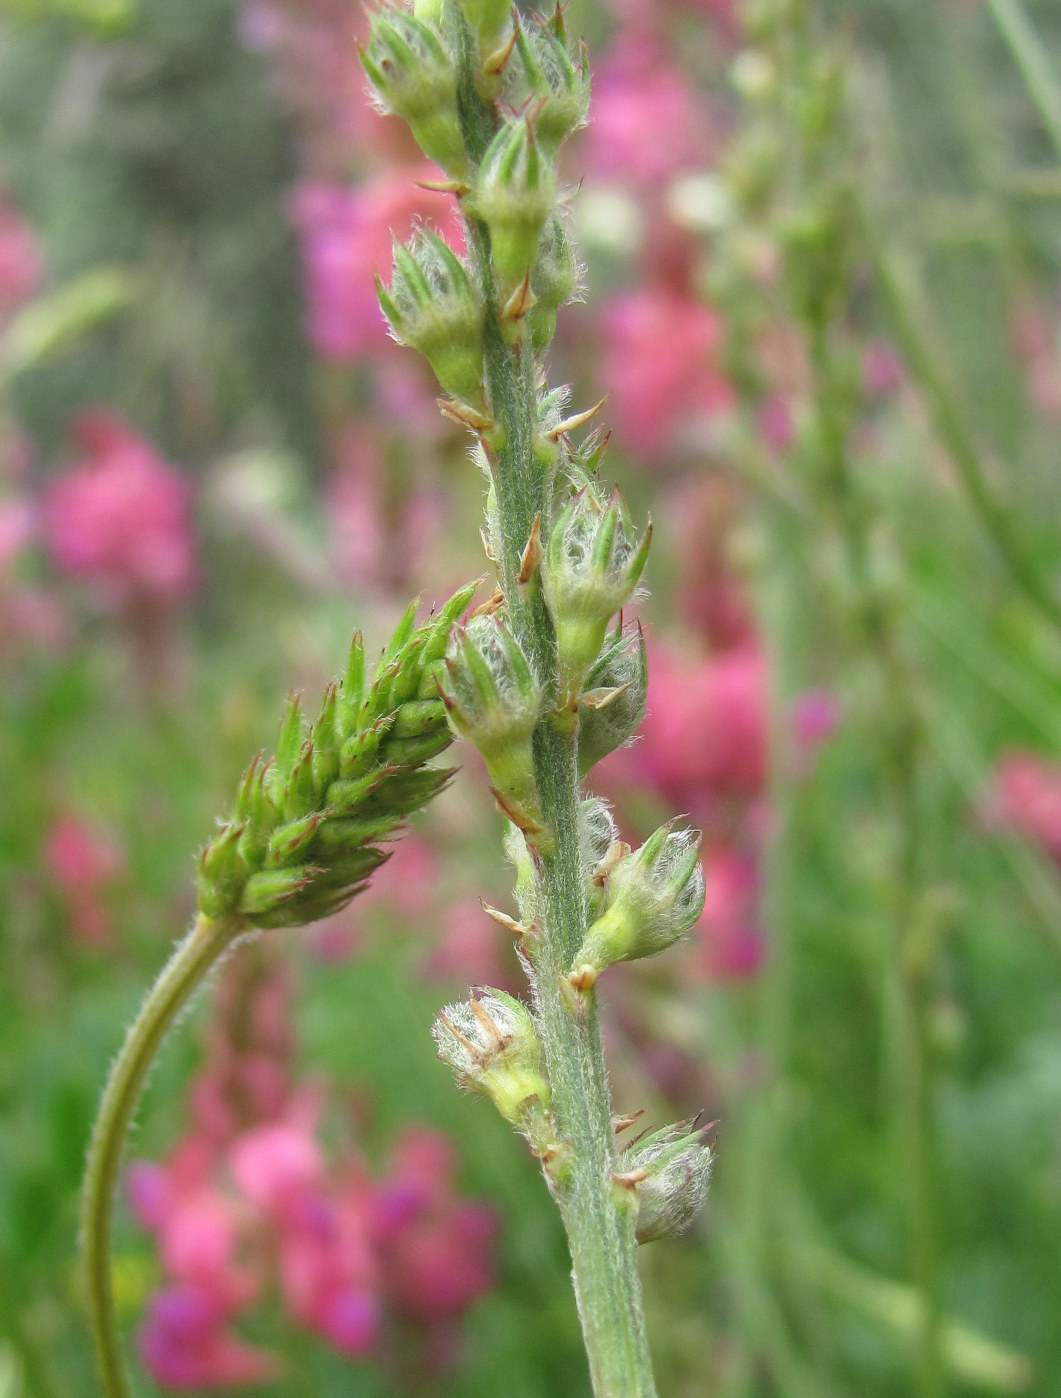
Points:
x=882 y=369
x=1025 y=796
x=183 y=1344
x=728 y=938
x=346 y=236
x=775 y=423
x=120 y=517
x=659 y=364
x=647 y=125
x=815 y=715
x=83 y=864
x=470 y=947
x=243 y=1202
x=437 y=1257
x=21 y=262
x=705 y=734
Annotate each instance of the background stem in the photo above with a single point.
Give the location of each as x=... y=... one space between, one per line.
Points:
x=195 y=955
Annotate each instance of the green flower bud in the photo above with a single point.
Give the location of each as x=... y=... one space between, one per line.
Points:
x=415 y=78
x=491 y=1045
x=487 y=19
x=675 y=1168
x=433 y=306
x=652 y=897
x=590 y=570
x=555 y=280
x=546 y=77
x=515 y=193
x=612 y=705
x=598 y=835
x=493 y=699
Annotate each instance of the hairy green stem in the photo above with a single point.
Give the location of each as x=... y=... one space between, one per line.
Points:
x=599 y=1214
x=599 y=1221
x=190 y=963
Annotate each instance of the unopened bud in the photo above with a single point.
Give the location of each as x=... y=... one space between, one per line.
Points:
x=592 y=566
x=488 y=20
x=554 y=281
x=514 y=194
x=597 y=835
x=493 y=699
x=432 y=305
x=415 y=78
x=548 y=79
x=490 y=1043
x=652 y=897
x=676 y=1162
x=612 y=704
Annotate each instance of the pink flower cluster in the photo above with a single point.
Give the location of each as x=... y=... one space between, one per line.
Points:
x=1025 y=797
x=84 y=865
x=21 y=260
x=120 y=518
x=346 y=235
x=248 y=1205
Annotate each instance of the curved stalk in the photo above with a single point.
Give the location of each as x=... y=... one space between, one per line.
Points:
x=194 y=957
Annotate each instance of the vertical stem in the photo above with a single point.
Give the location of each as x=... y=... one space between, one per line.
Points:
x=599 y=1216
x=900 y=743
x=185 y=970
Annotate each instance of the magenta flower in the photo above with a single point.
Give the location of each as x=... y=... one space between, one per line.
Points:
x=660 y=365
x=1025 y=797
x=346 y=236
x=21 y=262
x=83 y=865
x=647 y=123
x=120 y=518
x=184 y=1345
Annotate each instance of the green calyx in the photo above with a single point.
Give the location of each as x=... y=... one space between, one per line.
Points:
x=515 y=192
x=674 y=1166
x=544 y=74
x=555 y=280
x=591 y=568
x=306 y=828
x=432 y=306
x=415 y=77
x=611 y=707
x=493 y=699
x=492 y=1046
x=650 y=897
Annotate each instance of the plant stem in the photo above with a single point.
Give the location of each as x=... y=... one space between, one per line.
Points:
x=599 y=1215
x=599 y=1223
x=1030 y=55
x=923 y=359
x=195 y=955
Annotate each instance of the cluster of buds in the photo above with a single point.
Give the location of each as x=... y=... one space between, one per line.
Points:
x=522 y=91
x=651 y=897
x=492 y=1046
x=307 y=827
